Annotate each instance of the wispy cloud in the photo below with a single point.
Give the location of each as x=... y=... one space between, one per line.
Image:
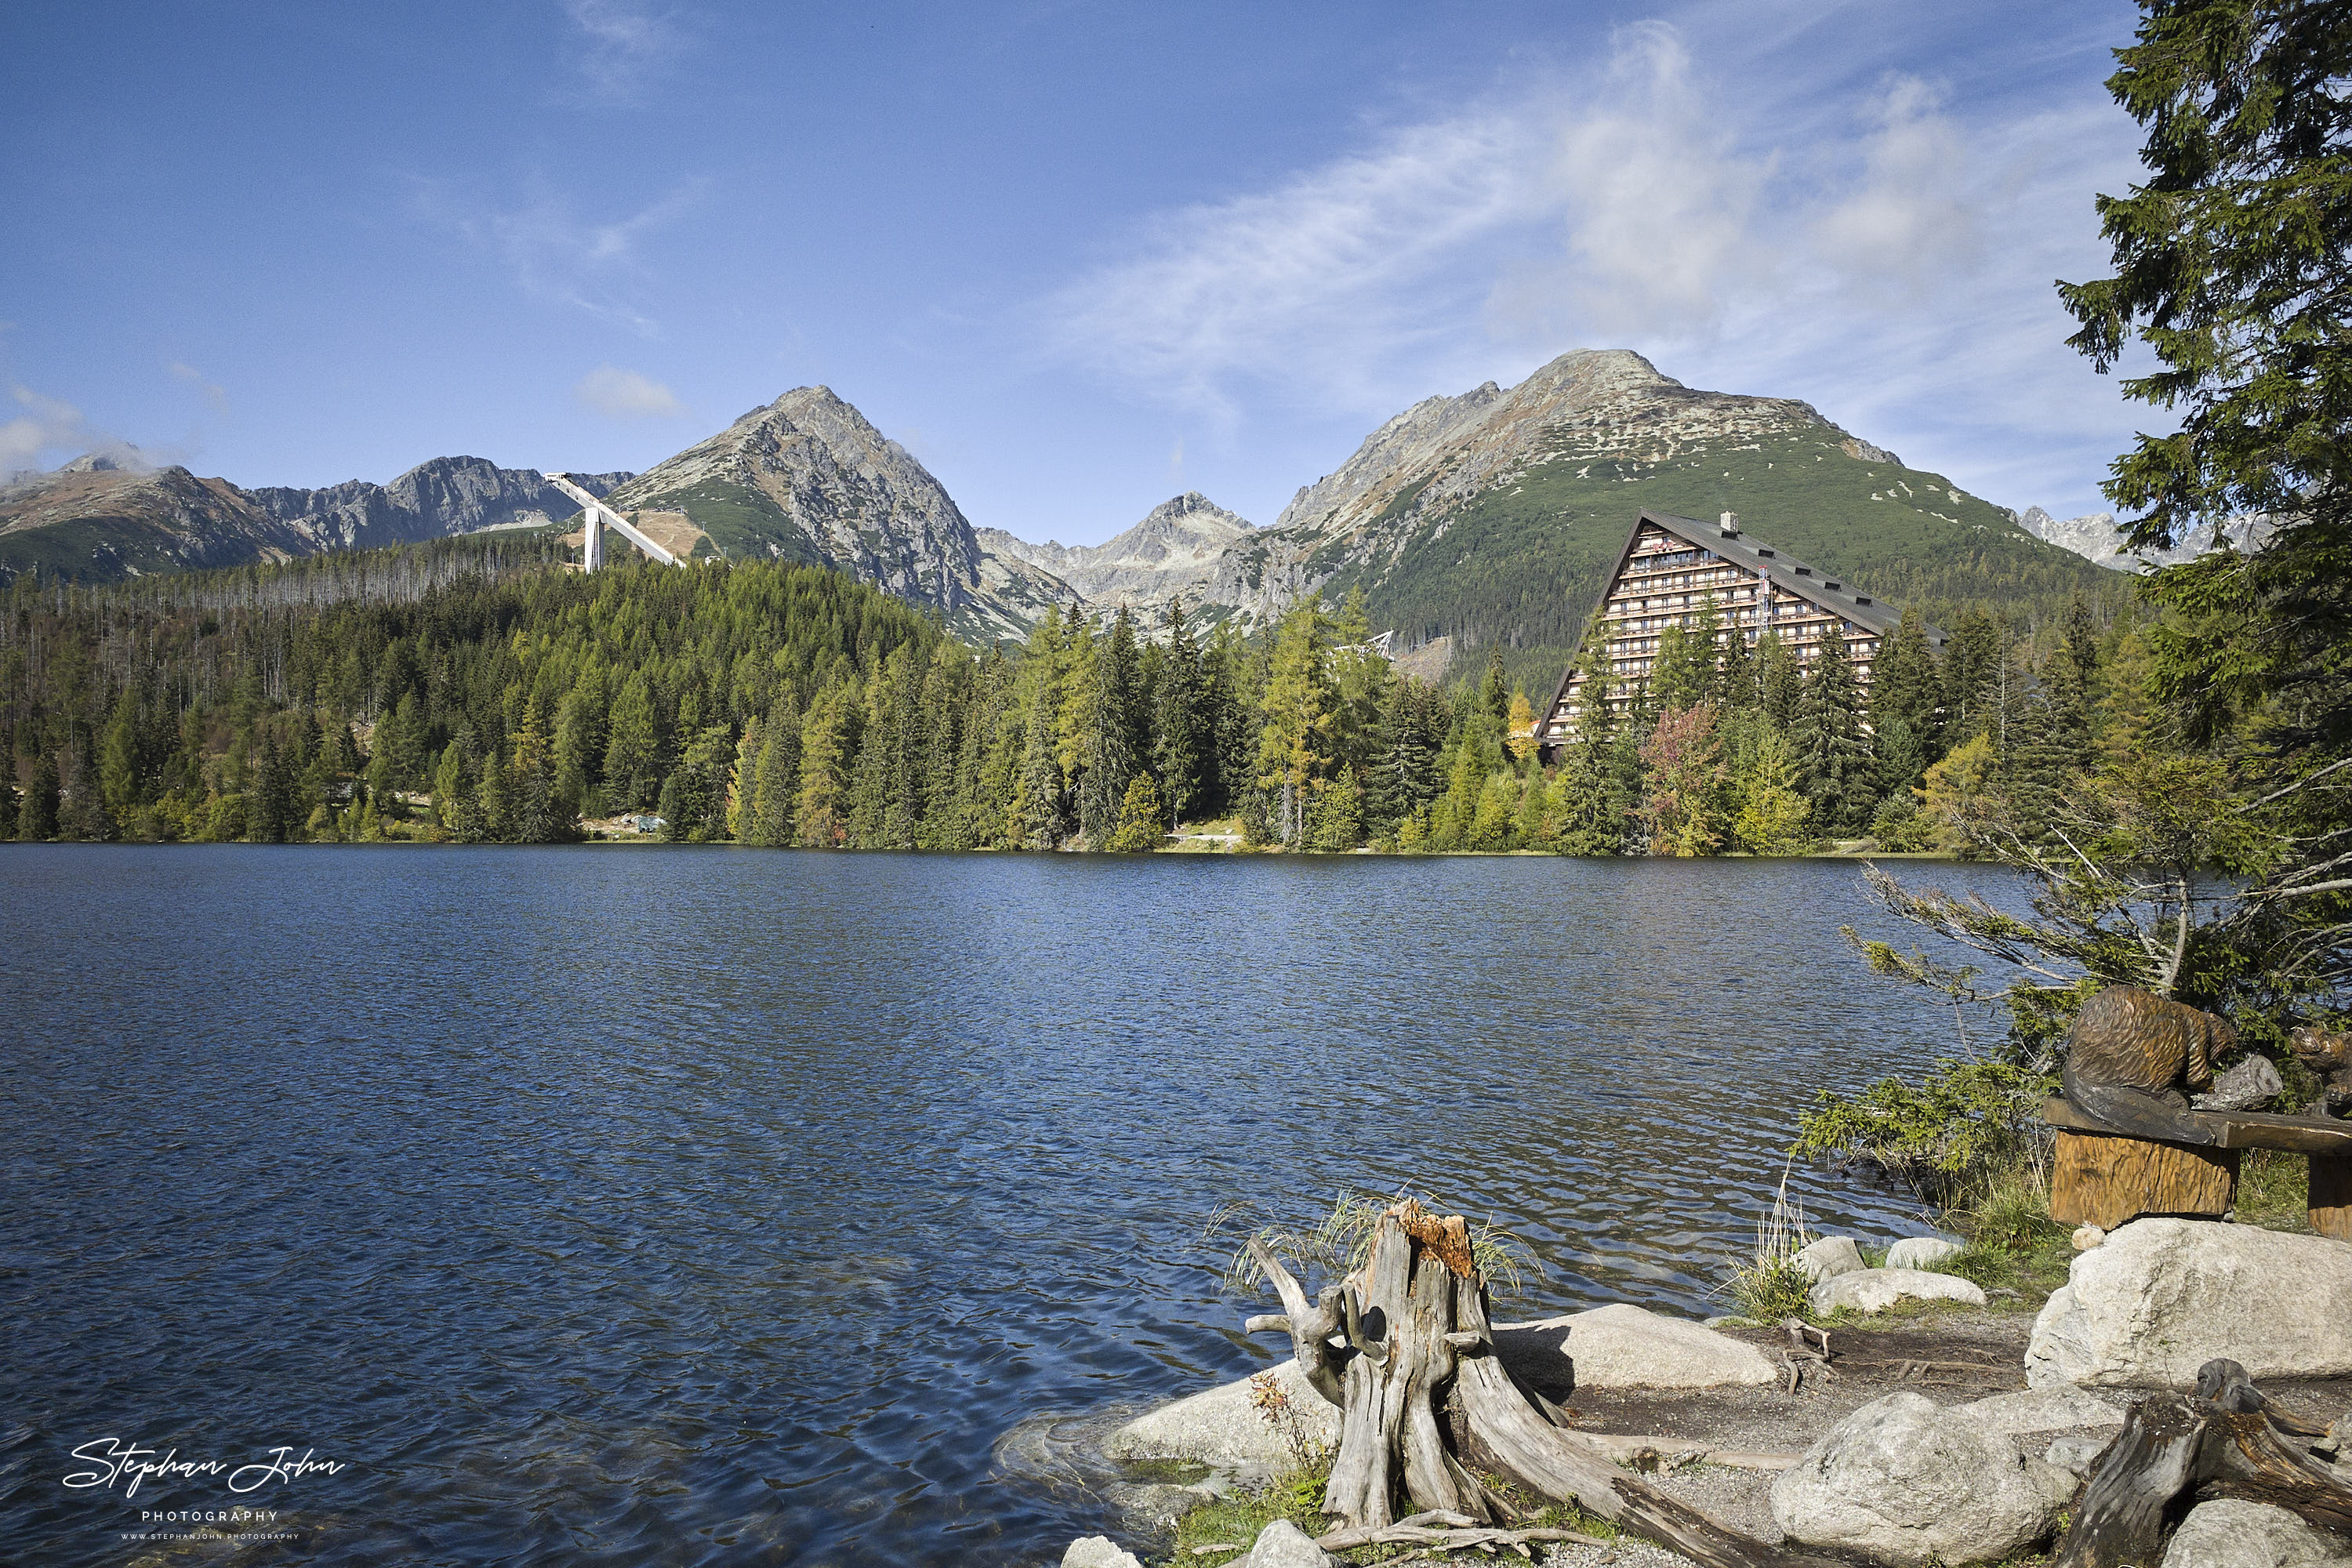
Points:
x=1862 y=243
x=45 y=424
x=214 y=394
x=623 y=49
x=618 y=394
x=1318 y=285
x=554 y=253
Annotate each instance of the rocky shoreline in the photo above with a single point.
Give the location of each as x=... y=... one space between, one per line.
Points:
x=1933 y=1425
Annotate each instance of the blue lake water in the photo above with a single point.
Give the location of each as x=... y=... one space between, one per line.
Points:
x=645 y=1206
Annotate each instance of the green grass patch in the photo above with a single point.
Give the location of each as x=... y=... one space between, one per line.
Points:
x=2275 y=1190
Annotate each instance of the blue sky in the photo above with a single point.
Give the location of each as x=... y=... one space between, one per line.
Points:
x=1077 y=258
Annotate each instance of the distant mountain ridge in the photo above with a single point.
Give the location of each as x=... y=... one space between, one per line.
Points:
x=2095 y=537
x=808 y=479
x=100 y=517
x=1487 y=517
x=1174 y=550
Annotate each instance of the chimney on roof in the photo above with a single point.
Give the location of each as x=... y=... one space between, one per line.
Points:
x=1730 y=523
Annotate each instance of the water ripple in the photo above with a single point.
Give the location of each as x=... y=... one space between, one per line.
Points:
x=673 y=1206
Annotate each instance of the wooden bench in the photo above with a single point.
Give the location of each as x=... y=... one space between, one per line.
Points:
x=2105 y=1178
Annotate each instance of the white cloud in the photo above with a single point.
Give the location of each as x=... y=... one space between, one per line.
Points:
x=622 y=48
x=552 y=252
x=214 y=394
x=1777 y=223
x=1317 y=285
x=45 y=424
x=618 y=394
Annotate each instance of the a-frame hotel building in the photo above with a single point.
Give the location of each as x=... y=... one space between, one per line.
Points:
x=1671 y=565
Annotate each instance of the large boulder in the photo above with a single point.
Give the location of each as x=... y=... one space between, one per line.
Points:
x=1097 y=1551
x=1283 y=1544
x=2160 y=1298
x=1830 y=1256
x=2231 y=1533
x=1920 y=1252
x=1627 y=1347
x=1906 y=1481
x=1876 y=1289
x=1224 y=1427
x=2064 y=1409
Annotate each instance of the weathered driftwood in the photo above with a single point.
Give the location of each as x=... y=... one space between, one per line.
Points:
x=2223 y=1442
x=1410 y=1323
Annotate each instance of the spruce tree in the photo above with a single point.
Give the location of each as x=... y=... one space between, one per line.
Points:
x=1735 y=685
x=1906 y=690
x=1495 y=687
x=1182 y=741
x=1780 y=681
x=1832 y=751
x=1109 y=754
x=775 y=777
x=37 y=822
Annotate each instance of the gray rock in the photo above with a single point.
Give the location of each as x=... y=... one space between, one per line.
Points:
x=2076 y=1456
x=1876 y=1289
x=1283 y=1544
x=1829 y=1258
x=2060 y=1409
x=2251 y=1085
x=2230 y=1534
x=1626 y=1347
x=2160 y=1298
x=1222 y=1427
x=1906 y=1481
x=1920 y=1252
x=1097 y=1551
x=2087 y=1237
x=1156 y=1503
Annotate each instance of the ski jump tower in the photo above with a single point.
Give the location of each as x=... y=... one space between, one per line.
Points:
x=601 y=517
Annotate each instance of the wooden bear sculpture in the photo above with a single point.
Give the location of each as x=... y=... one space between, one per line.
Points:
x=2132 y=1054
x=2328 y=1054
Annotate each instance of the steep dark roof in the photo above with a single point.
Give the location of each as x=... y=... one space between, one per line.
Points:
x=1831 y=594
x=1834 y=594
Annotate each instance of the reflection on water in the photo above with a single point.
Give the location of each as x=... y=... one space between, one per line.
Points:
x=637 y=1206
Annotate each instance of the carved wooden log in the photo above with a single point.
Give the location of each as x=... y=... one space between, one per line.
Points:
x=2222 y=1443
x=1415 y=1321
x=2331 y=1195
x=2102 y=1180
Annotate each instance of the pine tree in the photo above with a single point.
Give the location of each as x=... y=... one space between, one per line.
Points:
x=1779 y=680
x=633 y=750
x=1183 y=744
x=1139 y=827
x=1973 y=666
x=1495 y=687
x=1294 y=747
x=1735 y=687
x=828 y=753
x=36 y=823
x=537 y=815
x=1109 y=755
x=774 y=797
x=1906 y=690
x=1832 y=752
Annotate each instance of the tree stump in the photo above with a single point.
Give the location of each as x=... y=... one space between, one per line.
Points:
x=2106 y=1180
x=2331 y=1195
x=2175 y=1452
x=1409 y=1326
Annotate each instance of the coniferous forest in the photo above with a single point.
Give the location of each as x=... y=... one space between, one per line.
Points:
x=475 y=692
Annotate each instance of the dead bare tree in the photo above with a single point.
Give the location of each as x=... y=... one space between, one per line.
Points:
x=1403 y=1344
